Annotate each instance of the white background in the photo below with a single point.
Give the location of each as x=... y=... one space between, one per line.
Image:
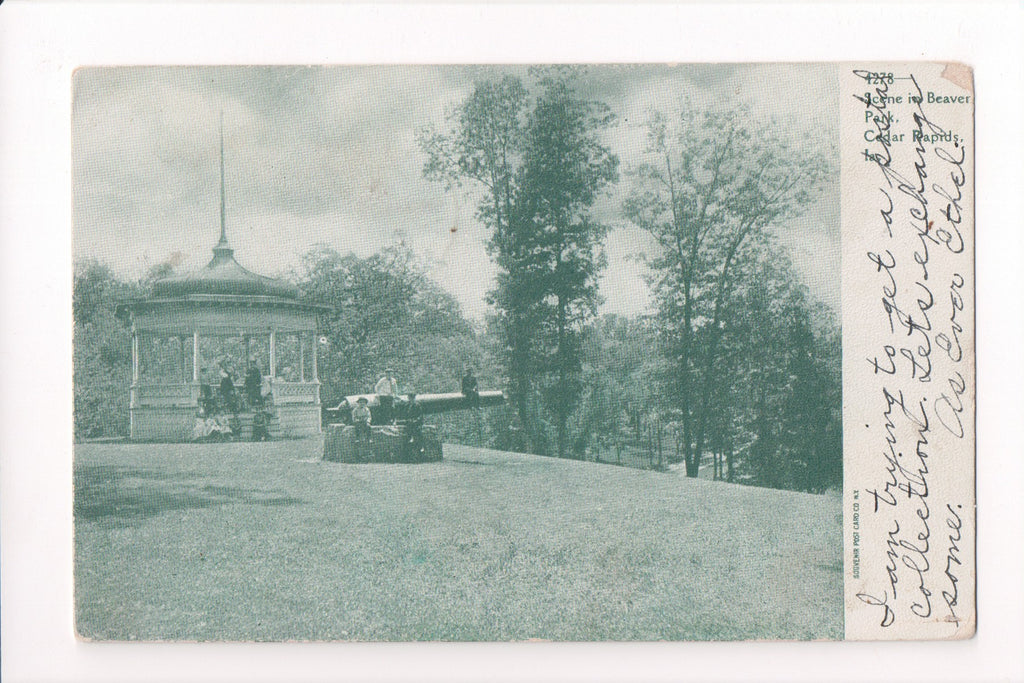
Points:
x=40 y=45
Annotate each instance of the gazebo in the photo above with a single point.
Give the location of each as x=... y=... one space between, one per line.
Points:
x=222 y=316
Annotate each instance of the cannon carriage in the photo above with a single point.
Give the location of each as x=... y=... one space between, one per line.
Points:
x=397 y=432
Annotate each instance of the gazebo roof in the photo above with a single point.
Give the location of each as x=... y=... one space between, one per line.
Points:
x=223 y=275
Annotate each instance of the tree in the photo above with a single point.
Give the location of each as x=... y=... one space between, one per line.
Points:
x=102 y=352
x=385 y=312
x=713 y=189
x=811 y=424
x=617 y=394
x=776 y=416
x=541 y=166
x=483 y=147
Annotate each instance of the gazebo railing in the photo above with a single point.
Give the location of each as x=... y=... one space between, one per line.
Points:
x=161 y=394
x=151 y=394
x=295 y=392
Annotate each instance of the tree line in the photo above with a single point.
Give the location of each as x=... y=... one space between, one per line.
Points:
x=737 y=369
x=749 y=364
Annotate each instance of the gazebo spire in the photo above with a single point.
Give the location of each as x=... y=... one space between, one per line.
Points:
x=222 y=245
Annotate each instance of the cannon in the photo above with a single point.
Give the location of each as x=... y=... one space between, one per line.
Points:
x=397 y=432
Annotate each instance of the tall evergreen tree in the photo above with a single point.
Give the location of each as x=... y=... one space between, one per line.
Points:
x=541 y=165
x=565 y=166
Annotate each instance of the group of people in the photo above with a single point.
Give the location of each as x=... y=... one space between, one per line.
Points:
x=218 y=413
x=410 y=411
x=252 y=387
x=386 y=390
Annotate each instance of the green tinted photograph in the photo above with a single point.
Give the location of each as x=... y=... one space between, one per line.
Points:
x=457 y=353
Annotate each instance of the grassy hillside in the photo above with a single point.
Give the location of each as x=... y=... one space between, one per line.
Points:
x=265 y=542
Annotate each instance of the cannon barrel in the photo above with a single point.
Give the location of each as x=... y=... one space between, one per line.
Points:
x=442 y=403
x=430 y=404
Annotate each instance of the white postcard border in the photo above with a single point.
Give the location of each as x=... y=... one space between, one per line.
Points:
x=40 y=47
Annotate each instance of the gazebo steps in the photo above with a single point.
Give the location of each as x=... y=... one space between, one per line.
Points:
x=245 y=420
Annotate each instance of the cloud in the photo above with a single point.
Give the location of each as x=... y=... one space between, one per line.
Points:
x=328 y=154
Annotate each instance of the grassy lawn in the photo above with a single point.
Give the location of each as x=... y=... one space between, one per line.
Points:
x=265 y=542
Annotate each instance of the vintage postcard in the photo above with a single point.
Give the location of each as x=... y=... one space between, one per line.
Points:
x=512 y=353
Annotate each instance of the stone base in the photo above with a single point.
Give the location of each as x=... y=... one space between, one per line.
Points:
x=164 y=423
x=176 y=424
x=298 y=420
x=387 y=444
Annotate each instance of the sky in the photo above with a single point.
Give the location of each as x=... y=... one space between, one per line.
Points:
x=329 y=155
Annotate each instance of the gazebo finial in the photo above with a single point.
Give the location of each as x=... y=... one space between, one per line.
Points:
x=222 y=246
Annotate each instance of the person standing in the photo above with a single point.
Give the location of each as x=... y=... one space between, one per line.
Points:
x=227 y=390
x=253 y=385
x=207 y=405
x=386 y=390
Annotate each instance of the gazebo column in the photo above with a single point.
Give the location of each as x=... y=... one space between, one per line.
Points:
x=182 y=368
x=245 y=342
x=316 y=371
x=195 y=356
x=135 y=358
x=273 y=353
x=302 y=356
x=133 y=392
